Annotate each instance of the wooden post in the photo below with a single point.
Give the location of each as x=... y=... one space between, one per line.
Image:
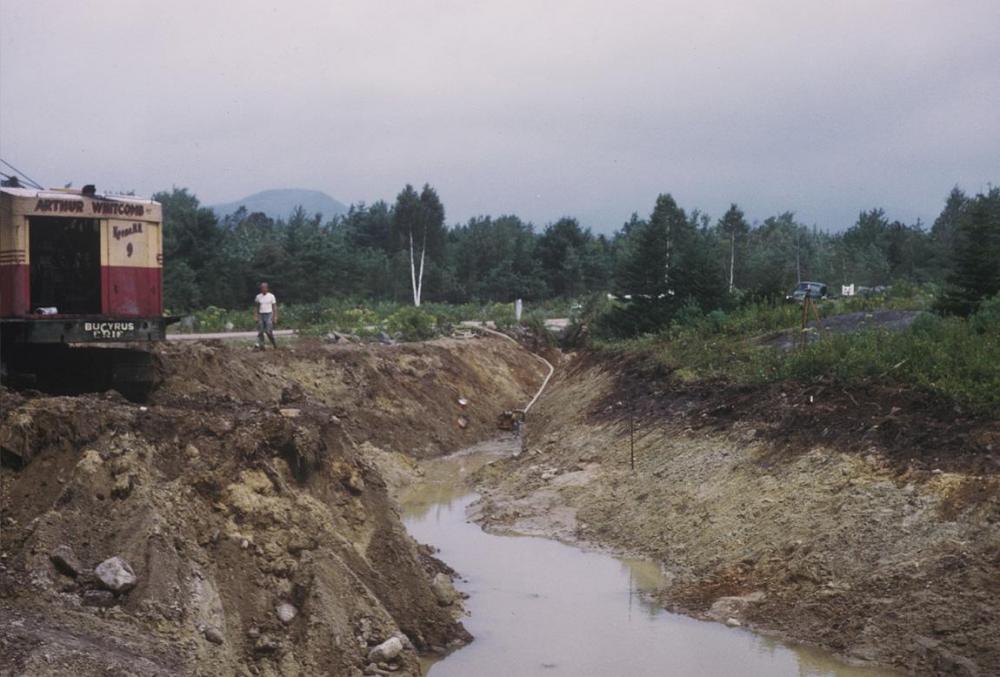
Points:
x=631 y=437
x=802 y=327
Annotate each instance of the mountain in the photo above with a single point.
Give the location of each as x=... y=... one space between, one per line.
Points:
x=280 y=203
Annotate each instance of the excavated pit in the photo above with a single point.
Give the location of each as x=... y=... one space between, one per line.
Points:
x=245 y=495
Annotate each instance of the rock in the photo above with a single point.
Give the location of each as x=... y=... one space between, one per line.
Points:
x=443 y=589
x=292 y=393
x=214 y=635
x=65 y=560
x=407 y=644
x=90 y=462
x=69 y=586
x=100 y=598
x=116 y=574
x=355 y=482
x=192 y=452
x=286 y=612
x=266 y=644
x=386 y=651
x=123 y=486
x=728 y=608
x=290 y=413
x=733 y=623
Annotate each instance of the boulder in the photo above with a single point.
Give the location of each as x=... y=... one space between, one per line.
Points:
x=443 y=589
x=65 y=560
x=214 y=635
x=725 y=609
x=286 y=612
x=116 y=574
x=386 y=651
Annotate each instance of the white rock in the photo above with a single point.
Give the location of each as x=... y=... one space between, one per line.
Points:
x=407 y=644
x=116 y=574
x=443 y=589
x=286 y=612
x=387 y=650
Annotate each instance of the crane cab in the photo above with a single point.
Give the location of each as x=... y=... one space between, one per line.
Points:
x=78 y=268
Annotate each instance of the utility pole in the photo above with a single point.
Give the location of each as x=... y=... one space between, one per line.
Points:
x=798 y=264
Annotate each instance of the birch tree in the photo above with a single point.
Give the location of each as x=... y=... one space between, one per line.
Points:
x=734 y=228
x=418 y=220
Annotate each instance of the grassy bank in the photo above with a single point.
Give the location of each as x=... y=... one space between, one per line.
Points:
x=954 y=358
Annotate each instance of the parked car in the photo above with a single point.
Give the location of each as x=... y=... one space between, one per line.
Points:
x=814 y=290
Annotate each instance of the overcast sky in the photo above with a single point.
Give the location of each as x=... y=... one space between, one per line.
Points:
x=542 y=109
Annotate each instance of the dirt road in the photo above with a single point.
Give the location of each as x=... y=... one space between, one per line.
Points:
x=227 y=335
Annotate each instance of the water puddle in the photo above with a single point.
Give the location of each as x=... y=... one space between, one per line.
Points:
x=539 y=607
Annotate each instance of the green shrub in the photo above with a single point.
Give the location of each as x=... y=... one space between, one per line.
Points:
x=411 y=324
x=355 y=320
x=689 y=316
x=986 y=319
x=534 y=323
x=502 y=315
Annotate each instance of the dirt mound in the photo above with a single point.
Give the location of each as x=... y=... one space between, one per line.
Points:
x=846 y=538
x=403 y=396
x=246 y=501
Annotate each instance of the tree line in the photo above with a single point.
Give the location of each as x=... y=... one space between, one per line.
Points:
x=404 y=251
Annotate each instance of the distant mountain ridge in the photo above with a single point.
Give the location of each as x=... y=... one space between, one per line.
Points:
x=279 y=203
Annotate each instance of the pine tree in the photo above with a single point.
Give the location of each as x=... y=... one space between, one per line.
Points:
x=667 y=263
x=976 y=275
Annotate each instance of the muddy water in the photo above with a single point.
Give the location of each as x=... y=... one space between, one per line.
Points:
x=539 y=607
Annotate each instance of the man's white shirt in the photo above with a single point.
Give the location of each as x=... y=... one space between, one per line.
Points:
x=265 y=302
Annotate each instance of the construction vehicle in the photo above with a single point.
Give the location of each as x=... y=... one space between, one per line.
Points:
x=81 y=290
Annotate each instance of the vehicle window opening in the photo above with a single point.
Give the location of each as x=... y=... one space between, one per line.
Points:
x=65 y=256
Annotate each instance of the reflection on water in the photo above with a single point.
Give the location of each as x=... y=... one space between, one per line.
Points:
x=539 y=607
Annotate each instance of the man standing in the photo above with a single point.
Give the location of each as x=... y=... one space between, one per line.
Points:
x=266 y=314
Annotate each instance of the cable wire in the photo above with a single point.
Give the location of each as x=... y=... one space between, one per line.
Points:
x=25 y=176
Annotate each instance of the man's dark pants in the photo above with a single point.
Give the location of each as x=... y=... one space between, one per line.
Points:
x=265 y=326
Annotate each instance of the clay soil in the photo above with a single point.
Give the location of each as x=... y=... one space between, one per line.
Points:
x=865 y=521
x=247 y=481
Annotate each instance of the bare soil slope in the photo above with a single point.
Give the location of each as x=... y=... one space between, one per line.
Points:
x=867 y=523
x=248 y=482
